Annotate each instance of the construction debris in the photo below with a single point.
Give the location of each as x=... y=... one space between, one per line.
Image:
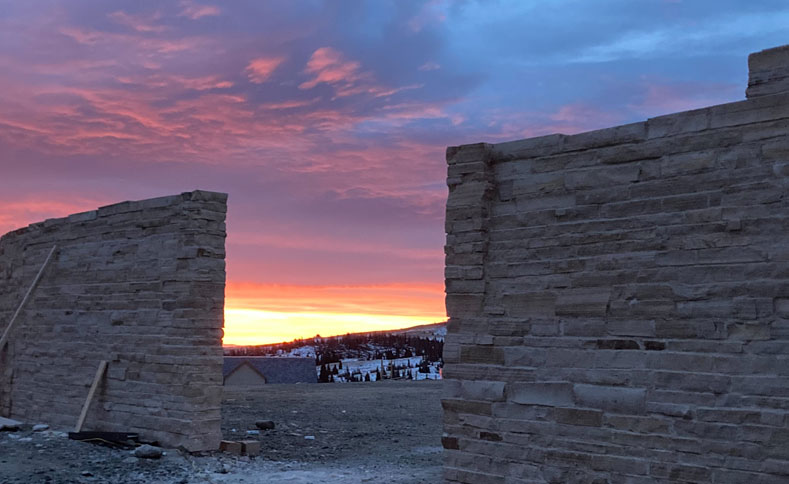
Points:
x=124 y=440
x=8 y=424
x=231 y=447
x=251 y=447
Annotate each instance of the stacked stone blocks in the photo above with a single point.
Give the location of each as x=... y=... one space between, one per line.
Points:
x=619 y=301
x=140 y=284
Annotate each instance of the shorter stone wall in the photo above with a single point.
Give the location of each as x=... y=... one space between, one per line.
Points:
x=139 y=284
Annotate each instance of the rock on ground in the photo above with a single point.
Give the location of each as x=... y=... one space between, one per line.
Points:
x=148 y=452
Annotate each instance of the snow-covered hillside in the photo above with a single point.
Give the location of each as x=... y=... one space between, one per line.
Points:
x=413 y=368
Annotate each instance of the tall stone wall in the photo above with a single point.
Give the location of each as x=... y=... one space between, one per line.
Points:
x=139 y=284
x=619 y=300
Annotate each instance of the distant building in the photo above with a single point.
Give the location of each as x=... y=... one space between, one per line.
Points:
x=260 y=370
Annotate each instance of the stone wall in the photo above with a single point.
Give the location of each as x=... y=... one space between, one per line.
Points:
x=139 y=284
x=619 y=300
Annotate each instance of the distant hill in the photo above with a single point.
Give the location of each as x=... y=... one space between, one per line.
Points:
x=435 y=330
x=423 y=342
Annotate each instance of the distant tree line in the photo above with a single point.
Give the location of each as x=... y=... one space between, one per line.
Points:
x=368 y=346
x=330 y=372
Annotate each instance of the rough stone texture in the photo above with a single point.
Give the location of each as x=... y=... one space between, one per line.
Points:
x=619 y=301
x=768 y=72
x=140 y=284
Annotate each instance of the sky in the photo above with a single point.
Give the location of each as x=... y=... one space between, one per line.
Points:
x=327 y=122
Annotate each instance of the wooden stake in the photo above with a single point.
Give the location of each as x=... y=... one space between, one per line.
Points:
x=93 y=386
x=7 y=331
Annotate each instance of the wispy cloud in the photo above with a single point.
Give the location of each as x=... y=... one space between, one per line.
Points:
x=329 y=66
x=196 y=11
x=260 y=69
x=430 y=66
x=137 y=22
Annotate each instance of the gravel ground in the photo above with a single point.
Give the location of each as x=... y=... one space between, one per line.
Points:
x=380 y=432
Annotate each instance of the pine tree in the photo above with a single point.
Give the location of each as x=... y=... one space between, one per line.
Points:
x=324 y=375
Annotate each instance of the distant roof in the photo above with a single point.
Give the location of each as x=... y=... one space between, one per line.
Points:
x=275 y=370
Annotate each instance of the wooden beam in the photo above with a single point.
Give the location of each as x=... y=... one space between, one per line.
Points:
x=93 y=386
x=7 y=332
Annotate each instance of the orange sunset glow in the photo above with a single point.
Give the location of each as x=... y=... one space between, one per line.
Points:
x=285 y=311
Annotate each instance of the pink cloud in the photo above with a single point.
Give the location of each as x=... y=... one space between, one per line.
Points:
x=137 y=22
x=138 y=46
x=195 y=11
x=380 y=91
x=153 y=81
x=81 y=36
x=289 y=104
x=330 y=67
x=260 y=69
x=430 y=66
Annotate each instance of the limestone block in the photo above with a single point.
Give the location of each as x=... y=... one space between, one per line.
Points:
x=768 y=72
x=615 y=399
x=583 y=302
x=251 y=447
x=481 y=354
x=527 y=205
x=602 y=176
x=231 y=447
x=530 y=304
x=464 y=304
x=553 y=394
x=576 y=416
x=680 y=123
x=524 y=356
x=529 y=148
x=468 y=154
x=483 y=390
x=627 y=133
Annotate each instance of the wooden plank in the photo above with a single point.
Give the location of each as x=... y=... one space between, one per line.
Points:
x=93 y=386
x=7 y=332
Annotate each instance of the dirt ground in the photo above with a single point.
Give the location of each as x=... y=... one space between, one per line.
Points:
x=380 y=432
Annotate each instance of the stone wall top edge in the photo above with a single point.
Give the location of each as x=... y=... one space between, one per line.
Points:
x=768 y=57
x=123 y=207
x=668 y=125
